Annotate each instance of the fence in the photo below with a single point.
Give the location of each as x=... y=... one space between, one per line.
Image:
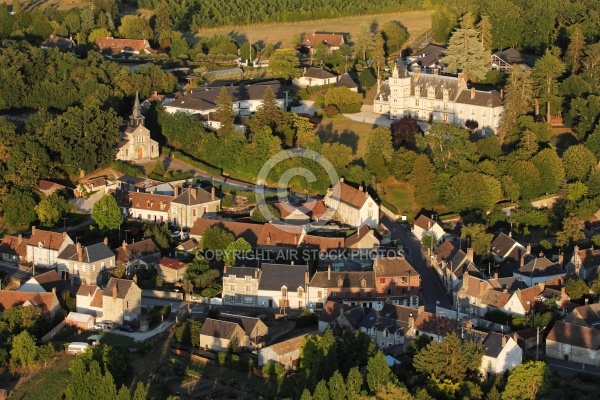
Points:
x=161 y=294
x=54 y=331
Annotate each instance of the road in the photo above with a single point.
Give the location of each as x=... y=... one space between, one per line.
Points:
x=432 y=291
x=567 y=368
x=19 y=274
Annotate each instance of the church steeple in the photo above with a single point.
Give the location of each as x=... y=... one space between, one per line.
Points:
x=136 y=119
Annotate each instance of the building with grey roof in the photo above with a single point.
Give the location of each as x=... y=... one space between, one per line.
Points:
x=283 y=286
x=437 y=98
x=86 y=264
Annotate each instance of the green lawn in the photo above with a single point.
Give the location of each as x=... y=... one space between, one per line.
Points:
x=401 y=196
x=47 y=384
x=343 y=130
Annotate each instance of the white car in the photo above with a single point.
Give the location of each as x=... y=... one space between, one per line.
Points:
x=101 y=327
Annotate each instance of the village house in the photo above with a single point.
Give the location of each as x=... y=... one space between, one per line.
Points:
x=363 y=238
x=539 y=270
x=352 y=206
x=48 y=188
x=43 y=247
x=127 y=183
x=304 y=212
x=332 y=41
x=152 y=186
x=503 y=60
x=250 y=232
x=13 y=249
x=500 y=353
x=80 y=321
x=429 y=59
x=87 y=264
x=429 y=97
x=246 y=99
x=435 y=326
x=143 y=254
x=149 y=206
x=451 y=263
x=286 y=353
x=240 y=286
x=397 y=279
x=283 y=286
x=315 y=77
x=45 y=283
x=112 y=46
x=90 y=186
x=349 y=287
x=217 y=335
x=523 y=301
x=89 y=300
x=340 y=317
x=59 y=42
x=276 y=237
x=171 y=270
x=121 y=301
x=391 y=326
x=505 y=248
x=135 y=144
x=588 y=315
x=345 y=80
x=255 y=330
x=425 y=226
x=584 y=263
x=187 y=248
x=46 y=302
x=470 y=291
x=570 y=342
x=191 y=205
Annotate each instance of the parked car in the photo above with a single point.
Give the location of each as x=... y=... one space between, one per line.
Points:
x=125 y=328
x=101 y=327
x=176 y=234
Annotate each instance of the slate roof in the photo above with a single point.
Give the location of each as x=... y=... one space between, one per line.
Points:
x=350 y=279
x=144 y=249
x=392 y=267
x=391 y=317
x=91 y=254
x=512 y=56
x=288 y=346
x=479 y=98
x=349 y=195
x=49 y=240
x=588 y=314
x=219 y=329
x=346 y=80
x=578 y=336
x=492 y=344
x=247 y=323
x=429 y=50
x=250 y=232
x=540 y=267
x=194 y=196
x=122 y=287
x=274 y=276
x=318 y=73
x=150 y=201
x=510 y=283
x=204 y=99
x=45 y=301
x=502 y=244
x=171 y=263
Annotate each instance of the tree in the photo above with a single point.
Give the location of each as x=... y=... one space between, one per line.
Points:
x=489 y=148
x=527 y=176
x=449 y=146
x=284 y=63
x=472 y=190
x=234 y=250
x=19 y=208
x=527 y=381
x=518 y=101
x=51 y=209
x=449 y=359
x=179 y=47
x=576 y=191
x=378 y=372
x=593 y=183
x=442 y=24
x=403 y=162
x=429 y=241
x=45 y=353
x=545 y=72
x=321 y=392
x=248 y=51
x=485 y=32
x=405 y=131
x=366 y=78
x=551 y=170
x=268 y=114
x=320 y=53
x=88 y=382
x=24 y=350
x=344 y=99
x=480 y=240
x=571 y=232
x=225 y=114
x=133 y=27
x=98 y=33
x=107 y=213
x=216 y=239
x=337 y=386
x=465 y=53
x=467 y=21
x=575 y=49
x=162 y=19
x=422 y=178
x=363 y=42
x=354 y=383
x=578 y=161
x=395 y=35
x=257 y=216
x=378 y=56
x=379 y=143
x=338 y=154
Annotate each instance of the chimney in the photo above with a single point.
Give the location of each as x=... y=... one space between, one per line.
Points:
x=503 y=341
x=504 y=289
x=124 y=245
x=470 y=254
x=19 y=239
x=563 y=291
x=360 y=188
x=541 y=254
x=411 y=319
x=106 y=240
x=176 y=191
x=436 y=71
x=501 y=94
x=79 y=252
x=472 y=93
x=256 y=273
x=306 y=277
x=416 y=72
x=64 y=235
x=561 y=258
x=33 y=230
x=522 y=262
x=495 y=275
x=586 y=301
x=115 y=290
x=341 y=180
x=292 y=262
x=462 y=80
x=269 y=239
x=329 y=272
x=510 y=234
x=465 y=280
x=212 y=193
x=529 y=249
x=54 y=290
x=224 y=269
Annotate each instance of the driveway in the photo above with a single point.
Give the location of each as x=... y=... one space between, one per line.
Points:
x=86 y=205
x=431 y=289
x=366 y=115
x=166 y=325
x=305 y=107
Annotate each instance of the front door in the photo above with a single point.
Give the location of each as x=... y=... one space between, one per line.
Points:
x=140 y=152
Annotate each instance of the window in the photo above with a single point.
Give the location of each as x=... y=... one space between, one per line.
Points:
x=389 y=292
x=370 y=213
x=319 y=294
x=386 y=333
x=363 y=283
x=445 y=106
x=472 y=110
x=370 y=204
x=111 y=262
x=102 y=265
x=83 y=268
x=300 y=292
x=232 y=299
x=394 y=280
x=334 y=294
x=248 y=289
x=417 y=102
x=300 y=304
x=445 y=117
x=247 y=278
x=381 y=281
x=283 y=292
x=232 y=288
x=404 y=280
x=194 y=211
x=483 y=113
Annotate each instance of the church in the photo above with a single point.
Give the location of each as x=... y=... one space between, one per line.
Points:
x=433 y=97
x=135 y=144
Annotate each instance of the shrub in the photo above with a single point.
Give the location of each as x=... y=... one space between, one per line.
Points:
x=331 y=110
x=344 y=99
x=471 y=124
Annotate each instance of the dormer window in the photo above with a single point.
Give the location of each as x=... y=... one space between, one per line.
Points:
x=340 y=281
x=417 y=91
x=300 y=292
x=363 y=282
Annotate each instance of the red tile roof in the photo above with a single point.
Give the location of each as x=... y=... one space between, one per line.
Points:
x=272 y=235
x=14 y=245
x=47 y=302
x=349 y=195
x=49 y=240
x=329 y=39
x=150 y=201
x=171 y=263
x=118 y=45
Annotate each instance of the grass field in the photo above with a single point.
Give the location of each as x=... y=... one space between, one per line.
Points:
x=351 y=133
x=48 y=384
x=401 y=196
x=417 y=23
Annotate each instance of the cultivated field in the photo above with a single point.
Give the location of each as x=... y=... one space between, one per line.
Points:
x=62 y=4
x=417 y=22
